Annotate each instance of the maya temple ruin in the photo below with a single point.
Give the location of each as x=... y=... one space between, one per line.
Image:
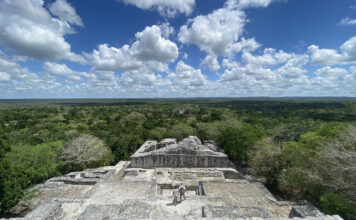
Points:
x=142 y=189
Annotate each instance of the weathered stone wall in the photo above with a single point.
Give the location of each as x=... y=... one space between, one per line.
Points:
x=184 y=160
x=190 y=152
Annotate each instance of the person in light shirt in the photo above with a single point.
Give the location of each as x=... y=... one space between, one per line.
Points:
x=182 y=190
x=175 y=196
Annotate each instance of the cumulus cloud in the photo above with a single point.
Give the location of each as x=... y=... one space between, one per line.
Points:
x=185 y=56
x=16 y=79
x=138 y=63
x=151 y=48
x=56 y=80
x=333 y=81
x=166 y=8
x=142 y=77
x=155 y=66
x=142 y=82
x=215 y=33
x=103 y=80
x=348 y=21
x=211 y=62
x=349 y=49
x=245 y=44
x=141 y=68
x=56 y=69
x=324 y=56
x=266 y=74
x=12 y=70
x=220 y=32
x=277 y=73
x=28 y=28
x=65 y=12
x=293 y=68
x=107 y=58
x=4 y=77
x=150 y=45
x=331 y=72
x=247 y=3
x=346 y=55
x=187 y=77
x=269 y=57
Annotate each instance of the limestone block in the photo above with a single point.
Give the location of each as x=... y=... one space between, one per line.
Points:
x=129 y=210
x=50 y=211
x=303 y=211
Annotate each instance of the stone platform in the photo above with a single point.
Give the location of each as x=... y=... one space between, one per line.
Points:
x=127 y=192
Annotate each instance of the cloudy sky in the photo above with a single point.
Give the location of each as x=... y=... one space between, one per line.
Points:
x=177 y=48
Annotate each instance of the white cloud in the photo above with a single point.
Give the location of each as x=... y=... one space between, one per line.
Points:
x=349 y=49
x=211 y=62
x=16 y=79
x=152 y=48
x=293 y=68
x=28 y=28
x=324 y=56
x=353 y=70
x=187 y=77
x=4 y=77
x=347 y=54
x=215 y=33
x=155 y=66
x=151 y=52
x=348 y=21
x=333 y=81
x=166 y=8
x=185 y=56
x=353 y=77
x=331 y=72
x=107 y=58
x=10 y=68
x=283 y=74
x=142 y=82
x=270 y=57
x=247 y=3
x=65 y=12
x=245 y=44
x=150 y=45
x=220 y=32
x=142 y=78
x=141 y=68
x=56 y=69
x=271 y=73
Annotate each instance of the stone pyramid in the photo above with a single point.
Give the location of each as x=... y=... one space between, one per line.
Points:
x=142 y=189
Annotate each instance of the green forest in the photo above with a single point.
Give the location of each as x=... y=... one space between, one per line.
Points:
x=301 y=148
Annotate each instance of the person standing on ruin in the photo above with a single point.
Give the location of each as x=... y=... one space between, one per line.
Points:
x=175 y=196
x=182 y=190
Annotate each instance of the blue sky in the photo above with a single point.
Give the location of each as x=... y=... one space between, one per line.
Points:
x=170 y=48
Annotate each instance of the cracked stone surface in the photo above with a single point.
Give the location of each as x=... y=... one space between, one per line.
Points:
x=127 y=192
